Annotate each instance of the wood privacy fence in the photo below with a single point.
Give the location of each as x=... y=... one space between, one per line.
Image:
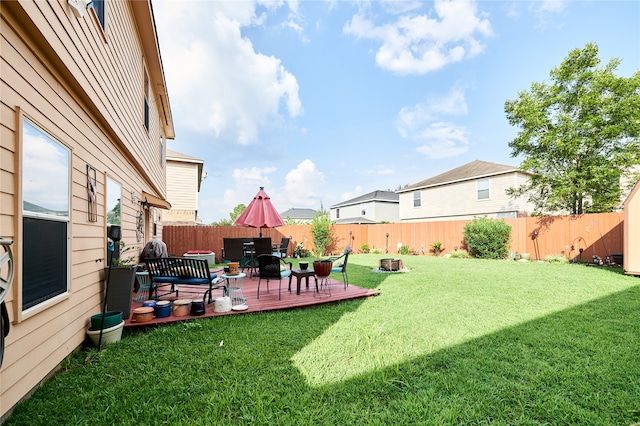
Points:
x=597 y=234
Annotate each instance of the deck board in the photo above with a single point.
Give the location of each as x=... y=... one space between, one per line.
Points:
x=267 y=301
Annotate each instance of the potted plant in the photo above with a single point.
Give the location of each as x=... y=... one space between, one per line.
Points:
x=120 y=278
x=436 y=248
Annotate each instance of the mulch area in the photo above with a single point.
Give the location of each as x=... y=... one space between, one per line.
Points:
x=267 y=301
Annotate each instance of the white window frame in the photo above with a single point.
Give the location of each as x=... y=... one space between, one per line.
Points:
x=483 y=186
x=417 y=198
x=43 y=205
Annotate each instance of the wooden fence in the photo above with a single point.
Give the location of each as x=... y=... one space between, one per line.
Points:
x=597 y=234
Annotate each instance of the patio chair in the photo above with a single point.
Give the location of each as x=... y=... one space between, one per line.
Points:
x=258 y=246
x=270 y=268
x=340 y=265
x=233 y=249
x=281 y=249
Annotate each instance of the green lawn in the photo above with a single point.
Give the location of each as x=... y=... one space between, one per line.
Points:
x=453 y=341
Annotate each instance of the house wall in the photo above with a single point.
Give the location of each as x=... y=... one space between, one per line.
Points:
x=84 y=87
x=632 y=232
x=345 y=212
x=386 y=212
x=458 y=201
x=375 y=210
x=182 y=191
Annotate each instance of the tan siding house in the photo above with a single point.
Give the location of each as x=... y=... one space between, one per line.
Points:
x=83 y=123
x=474 y=189
x=631 y=261
x=184 y=175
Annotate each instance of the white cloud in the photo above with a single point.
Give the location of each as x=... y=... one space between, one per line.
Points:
x=357 y=191
x=247 y=183
x=218 y=83
x=418 y=44
x=304 y=184
x=253 y=177
x=552 y=6
x=443 y=140
x=425 y=123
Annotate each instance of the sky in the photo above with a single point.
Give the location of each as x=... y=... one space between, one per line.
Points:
x=320 y=102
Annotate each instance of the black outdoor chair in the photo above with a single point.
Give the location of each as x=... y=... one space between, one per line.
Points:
x=269 y=268
x=340 y=265
x=233 y=249
x=282 y=248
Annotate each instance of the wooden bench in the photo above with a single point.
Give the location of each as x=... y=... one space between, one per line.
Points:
x=171 y=271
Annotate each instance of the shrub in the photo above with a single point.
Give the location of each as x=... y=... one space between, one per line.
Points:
x=459 y=254
x=364 y=248
x=322 y=231
x=437 y=248
x=376 y=251
x=556 y=258
x=487 y=239
x=404 y=249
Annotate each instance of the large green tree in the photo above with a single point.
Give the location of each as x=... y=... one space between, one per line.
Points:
x=579 y=133
x=237 y=211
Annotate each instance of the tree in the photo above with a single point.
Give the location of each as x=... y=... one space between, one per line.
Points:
x=322 y=231
x=237 y=211
x=579 y=134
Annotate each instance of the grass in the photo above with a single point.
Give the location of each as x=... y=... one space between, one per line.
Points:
x=454 y=341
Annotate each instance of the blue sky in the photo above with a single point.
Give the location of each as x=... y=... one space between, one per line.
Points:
x=323 y=101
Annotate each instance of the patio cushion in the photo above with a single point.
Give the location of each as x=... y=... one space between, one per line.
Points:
x=285 y=273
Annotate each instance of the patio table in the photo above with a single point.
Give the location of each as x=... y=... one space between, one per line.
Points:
x=300 y=273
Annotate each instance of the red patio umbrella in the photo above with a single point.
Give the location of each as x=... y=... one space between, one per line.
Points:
x=260 y=213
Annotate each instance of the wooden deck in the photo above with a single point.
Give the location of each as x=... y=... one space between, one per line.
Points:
x=267 y=302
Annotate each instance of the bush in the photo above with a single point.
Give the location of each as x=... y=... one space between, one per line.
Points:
x=404 y=249
x=556 y=258
x=364 y=248
x=487 y=239
x=459 y=254
x=322 y=231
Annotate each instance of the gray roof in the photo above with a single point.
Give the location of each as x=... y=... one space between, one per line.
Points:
x=473 y=170
x=295 y=213
x=382 y=196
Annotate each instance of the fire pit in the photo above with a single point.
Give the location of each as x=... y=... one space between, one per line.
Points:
x=389 y=264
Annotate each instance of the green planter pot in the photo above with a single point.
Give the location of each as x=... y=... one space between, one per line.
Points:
x=111 y=318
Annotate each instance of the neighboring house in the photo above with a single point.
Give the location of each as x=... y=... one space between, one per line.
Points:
x=631 y=251
x=374 y=207
x=184 y=176
x=474 y=189
x=298 y=215
x=85 y=118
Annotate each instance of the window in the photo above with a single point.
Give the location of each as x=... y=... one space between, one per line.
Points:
x=363 y=209
x=45 y=216
x=417 y=202
x=100 y=8
x=161 y=150
x=146 y=100
x=114 y=195
x=337 y=213
x=483 y=188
